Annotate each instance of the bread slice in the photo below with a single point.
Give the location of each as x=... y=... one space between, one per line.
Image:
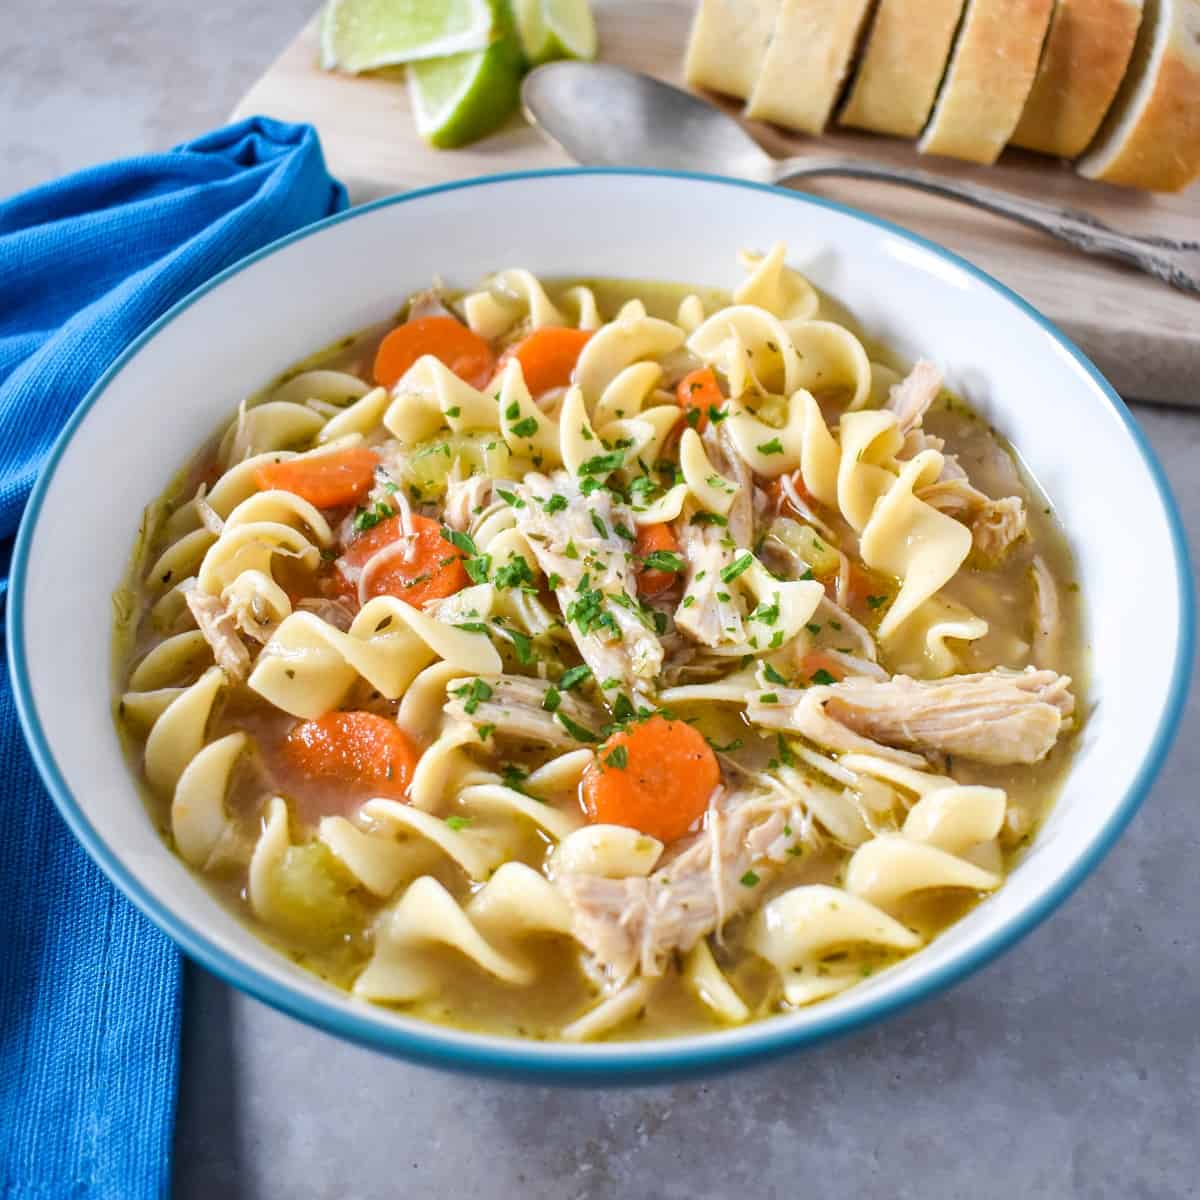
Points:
x=1087 y=50
x=1151 y=136
x=806 y=62
x=727 y=44
x=903 y=63
x=991 y=71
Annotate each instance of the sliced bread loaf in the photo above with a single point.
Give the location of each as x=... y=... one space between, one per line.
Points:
x=1087 y=50
x=991 y=71
x=1151 y=136
x=727 y=44
x=806 y=62
x=905 y=57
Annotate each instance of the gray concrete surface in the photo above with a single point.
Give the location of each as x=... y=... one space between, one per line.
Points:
x=1070 y=1068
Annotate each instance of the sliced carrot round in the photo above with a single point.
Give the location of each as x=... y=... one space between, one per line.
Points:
x=697 y=392
x=548 y=356
x=428 y=568
x=365 y=752
x=652 y=539
x=464 y=352
x=656 y=777
x=325 y=480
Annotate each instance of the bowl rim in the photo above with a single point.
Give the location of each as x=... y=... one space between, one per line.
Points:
x=561 y=1062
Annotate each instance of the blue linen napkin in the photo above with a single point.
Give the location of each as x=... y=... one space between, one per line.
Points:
x=89 y=990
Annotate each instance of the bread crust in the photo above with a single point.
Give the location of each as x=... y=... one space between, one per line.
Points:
x=1087 y=51
x=991 y=72
x=727 y=44
x=807 y=61
x=907 y=48
x=1151 y=137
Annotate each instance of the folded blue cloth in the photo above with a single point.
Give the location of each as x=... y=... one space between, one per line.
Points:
x=89 y=990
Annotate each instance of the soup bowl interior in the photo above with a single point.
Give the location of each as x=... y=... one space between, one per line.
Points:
x=173 y=389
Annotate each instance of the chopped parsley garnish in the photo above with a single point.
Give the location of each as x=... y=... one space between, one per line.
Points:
x=623 y=531
x=664 y=560
x=477 y=567
x=510 y=498
x=368 y=518
x=571 y=551
x=486 y=731
x=813 y=628
x=877 y=601
x=512 y=412
x=514 y=574
x=823 y=677
x=617 y=758
x=715 y=415
x=460 y=541
x=513 y=776
x=456 y=411
x=473 y=694
x=554 y=503
x=555 y=581
x=601 y=464
x=737 y=567
x=623 y=710
x=692 y=417
x=750 y=879
x=525 y=428
x=688 y=601
x=588 y=612
x=707 y=518
x=768 y=698
x=579 y=732
x=774 y=446
x=772 y=675
x=552 y=700
x=785 y=751
x=458 y=823
x=768 y=614
x=574 y=676
x=599 y=526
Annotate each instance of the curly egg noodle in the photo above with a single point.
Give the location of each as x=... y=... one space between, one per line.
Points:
x=602 y=660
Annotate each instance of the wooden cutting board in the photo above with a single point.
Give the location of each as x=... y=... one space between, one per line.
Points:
x=1143 y=335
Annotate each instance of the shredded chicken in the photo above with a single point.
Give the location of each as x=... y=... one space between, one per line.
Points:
x=208 y=515
x=996 y=525
x=583 y=547
x=724 y=456
x=516 y=707
x=911 y=397
x=220 y=632
x=638 y=923
x=465 y=498
x=710 y=612
x=427 y=304
x=997 y=716
x=332 y=612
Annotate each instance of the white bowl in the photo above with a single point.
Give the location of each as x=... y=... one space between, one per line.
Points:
x=176 y=385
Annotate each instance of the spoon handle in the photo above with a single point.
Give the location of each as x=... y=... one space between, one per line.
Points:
x=1174 y=262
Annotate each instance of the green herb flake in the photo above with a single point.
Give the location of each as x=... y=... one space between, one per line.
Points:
x=602 y=464
x=579 y=732
x=774 y=446
x=473 y=694
x=574 y=676
x=458 y=823
x=750 y=879
x=773 y=676
x=552 y=699
x=617 y=758
x=738 y=567
x=525 y=428
x=823 y=677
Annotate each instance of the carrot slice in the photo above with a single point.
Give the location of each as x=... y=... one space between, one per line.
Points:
x=548 y=356
x=652 y=539
x=365 y=752
x=325 y=480
x=656 y=777
x=431 y=570
x=697 y=392
x=464 y=352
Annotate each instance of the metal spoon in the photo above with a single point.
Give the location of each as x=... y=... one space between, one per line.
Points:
x=604 y=115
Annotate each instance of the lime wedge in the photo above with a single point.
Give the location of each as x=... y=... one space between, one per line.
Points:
x=462 y=98
x=362 y=35
x=555 y=29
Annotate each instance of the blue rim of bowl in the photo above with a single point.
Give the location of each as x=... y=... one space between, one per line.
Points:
x=646 y=1061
